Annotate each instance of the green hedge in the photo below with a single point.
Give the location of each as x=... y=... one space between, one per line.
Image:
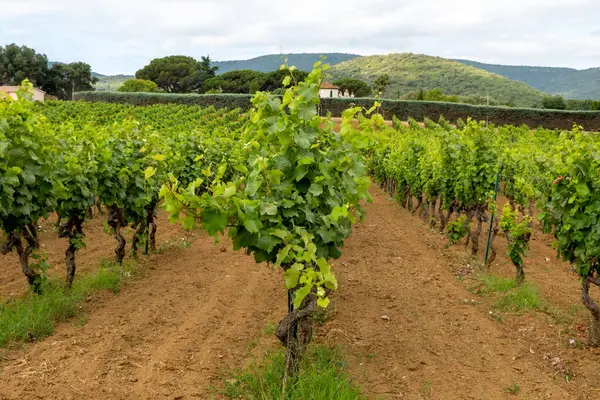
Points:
x=402 y=109
x=145 y=99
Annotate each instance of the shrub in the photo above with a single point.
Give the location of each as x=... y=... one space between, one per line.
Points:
x=138 y=85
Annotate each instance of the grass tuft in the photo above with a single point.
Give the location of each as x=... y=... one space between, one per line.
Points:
x=495 y=284
x=513 y=389
x=32 y=317
x=322 y=377
x=512 y=297
x=524 y=298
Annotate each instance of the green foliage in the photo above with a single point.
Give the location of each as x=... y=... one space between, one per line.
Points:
x=297 y=195
x=554 y=103
x=354 y=86
x=585 y=105
x=456 y=229
x=400 y=109
x=18 y=63
x=419 y=110
x=244 y=82
x=64 y=79
x=177 y=74
x=381 y=83
x=27 y=188
x=574 y=202
x=225 y=100
x=517 y=233
x=138 y=85
x=410 y=72
x=275 y=78
x=322 y=378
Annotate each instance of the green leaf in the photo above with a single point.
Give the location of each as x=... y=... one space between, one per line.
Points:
x=159 y=157
x=316 y=189
x=229 y=191
x=282 y=255
x=252 y=224
x=268 y=209
x=287 y=80
x=276 y=176
x=149 y=173
x=582 y=189
x=339 y=212
x=323 y=303
x=214 y=221
x=291 y=275
x=300 y=294
x=267 y=242
x=280 y=233
x=188 y=222
x=306 y=160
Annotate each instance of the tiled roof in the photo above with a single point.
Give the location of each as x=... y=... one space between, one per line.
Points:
x=327 y=85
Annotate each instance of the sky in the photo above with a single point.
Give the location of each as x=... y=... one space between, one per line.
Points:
x=120 y=37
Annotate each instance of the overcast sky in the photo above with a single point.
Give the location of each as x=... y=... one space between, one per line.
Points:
x=122 y=36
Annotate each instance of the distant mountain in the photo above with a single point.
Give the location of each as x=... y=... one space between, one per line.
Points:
x=568 y=82
x=410 y=72
x=271 y=62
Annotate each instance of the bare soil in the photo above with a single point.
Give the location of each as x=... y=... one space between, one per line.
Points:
x=410 y=328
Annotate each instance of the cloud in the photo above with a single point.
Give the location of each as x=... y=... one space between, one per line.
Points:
x=122 y=36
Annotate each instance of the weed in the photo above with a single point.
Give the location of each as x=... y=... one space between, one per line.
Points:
x=321 y=377
x=81 y=320
x=512 y=297
x=456 y=230
x=426 y=390
x=322 y=315
x=495 y=284
x=524 y=298
x=512 y=389
x=252 y=343
x=269 y=328
x=32 y=316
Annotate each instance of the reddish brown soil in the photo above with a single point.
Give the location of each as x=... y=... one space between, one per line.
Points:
x=408 y=326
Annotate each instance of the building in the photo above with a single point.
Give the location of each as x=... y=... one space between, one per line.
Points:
x=38 y=94
x=328 y=90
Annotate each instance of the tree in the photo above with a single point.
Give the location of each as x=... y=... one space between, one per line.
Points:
x=421 y=94
x=174 y=74
x=243 y=81
x=355 y=86
x=207 y=70
x=64 y=79
x=275 y=79
x=18 y=63
x=138 y=85
x=554 y=102
x=381 y=83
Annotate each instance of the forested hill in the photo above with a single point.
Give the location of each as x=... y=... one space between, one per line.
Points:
x=271 y=62
x=568 y=82
x=410 y=72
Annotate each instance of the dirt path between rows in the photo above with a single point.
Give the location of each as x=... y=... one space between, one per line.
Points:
x=408 y=326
